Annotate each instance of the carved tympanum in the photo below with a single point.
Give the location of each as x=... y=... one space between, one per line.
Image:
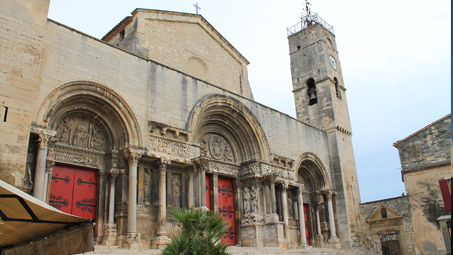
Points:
x=80 y=132
x=220 y=149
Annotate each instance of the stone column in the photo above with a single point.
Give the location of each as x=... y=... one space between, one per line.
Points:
x=39 y=189
x=318 y=220
x=215 y=193
x=132 y=237
x=273 y=197
x=285 y=212
x=333 y=234
x=267 y=200
x=48 y=179
x=162 y=240
x=110 y=231
x=203 y=186
x=190 y=201
x=303 y=236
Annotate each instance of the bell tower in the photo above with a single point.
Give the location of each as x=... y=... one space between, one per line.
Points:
x=319 y=95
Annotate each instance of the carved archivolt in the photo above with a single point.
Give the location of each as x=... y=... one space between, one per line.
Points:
x=80 y=132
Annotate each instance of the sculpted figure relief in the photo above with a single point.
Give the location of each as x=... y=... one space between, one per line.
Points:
x=176 y=189
x=147 y=186
x=246 y=201
x=220 y=149
x=80 y=132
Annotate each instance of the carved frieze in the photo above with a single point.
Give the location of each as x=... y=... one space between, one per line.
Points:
x=250 y=170
x=281 y=174
x=224 y=169
x=78 y=131
x=65 y=154
x=174 y=149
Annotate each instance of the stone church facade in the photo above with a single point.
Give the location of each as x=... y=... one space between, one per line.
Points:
x=159 y=114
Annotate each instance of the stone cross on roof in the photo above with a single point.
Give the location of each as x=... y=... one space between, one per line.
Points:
x=196 y=7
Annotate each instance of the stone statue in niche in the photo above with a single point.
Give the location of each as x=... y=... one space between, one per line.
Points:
x=220 y=149
x=251 y=206
x=247 y=209
x=253 y=199
x=290 y=205
x=78 y=131
x=147 y=186
x=176 y=190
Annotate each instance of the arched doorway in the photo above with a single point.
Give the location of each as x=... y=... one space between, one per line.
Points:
x=229 y=136
x=312 y=174
x=92 y=125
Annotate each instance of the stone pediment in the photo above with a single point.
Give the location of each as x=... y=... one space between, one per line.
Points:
x=383 y=213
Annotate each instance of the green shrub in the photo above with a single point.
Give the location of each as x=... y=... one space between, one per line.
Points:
x=199 y=235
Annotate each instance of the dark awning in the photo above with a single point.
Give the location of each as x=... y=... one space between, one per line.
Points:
x=23 y=218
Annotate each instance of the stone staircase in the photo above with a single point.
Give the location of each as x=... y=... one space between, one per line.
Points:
x=236 y=250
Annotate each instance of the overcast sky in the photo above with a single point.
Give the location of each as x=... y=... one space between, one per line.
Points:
x=395 y=56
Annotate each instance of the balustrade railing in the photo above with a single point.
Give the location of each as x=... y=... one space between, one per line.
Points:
x=307 y=20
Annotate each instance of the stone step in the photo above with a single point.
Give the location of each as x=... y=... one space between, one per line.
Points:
x=236 y=250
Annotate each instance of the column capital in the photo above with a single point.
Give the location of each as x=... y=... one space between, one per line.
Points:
x=44 y=136
x=114 y=173
x=285 y=186
x=201 y=163
x=329 y=193
x=49 y=165
x=132 y=155
x=300 y=188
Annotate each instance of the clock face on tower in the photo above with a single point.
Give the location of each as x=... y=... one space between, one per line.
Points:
x=332 y=62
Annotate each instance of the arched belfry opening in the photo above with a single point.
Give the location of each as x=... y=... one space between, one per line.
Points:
x=311 y=91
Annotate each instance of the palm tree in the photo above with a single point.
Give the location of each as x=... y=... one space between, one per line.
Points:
x=199 y=235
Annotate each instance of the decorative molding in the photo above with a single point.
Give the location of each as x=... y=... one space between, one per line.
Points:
x=344 y=130
x=160 y=129
x=281 y=161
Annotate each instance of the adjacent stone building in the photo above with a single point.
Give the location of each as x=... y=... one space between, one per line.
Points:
x=159 y=114
x=425 y=160
x=419 y=222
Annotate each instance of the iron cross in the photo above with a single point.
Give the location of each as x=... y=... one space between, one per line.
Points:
x=196 y=7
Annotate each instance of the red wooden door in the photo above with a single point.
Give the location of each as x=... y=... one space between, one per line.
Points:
x=208 y=192
x=226 y=208
x=73 y=190
x=307 y=231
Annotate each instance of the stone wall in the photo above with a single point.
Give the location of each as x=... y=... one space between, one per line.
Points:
x=159 y=93
x=428 y=147
x=22 y=25
x=425 y=159
x=186 y=42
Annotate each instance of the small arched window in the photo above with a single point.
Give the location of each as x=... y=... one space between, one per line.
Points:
x=313 y=99
x=337 y=89
x=383 y=213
